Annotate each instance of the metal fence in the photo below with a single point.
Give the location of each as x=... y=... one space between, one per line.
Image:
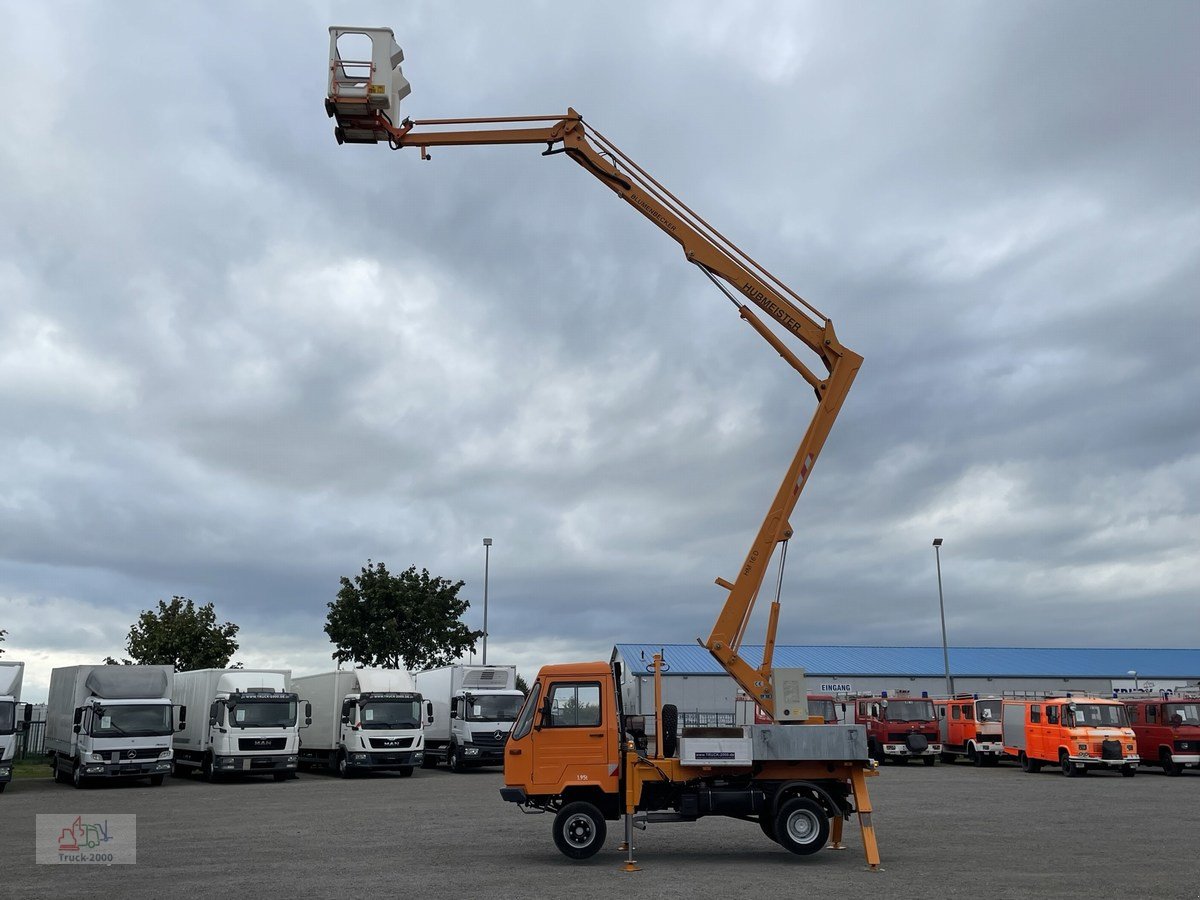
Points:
x=31 y=743
x=704 y=719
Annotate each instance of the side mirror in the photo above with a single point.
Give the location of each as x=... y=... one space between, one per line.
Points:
x=213 y=710
x=544 y=715
x=307 y=713
x=28 y=717
x=182 y=719
x=429 y=712
x=78 y=715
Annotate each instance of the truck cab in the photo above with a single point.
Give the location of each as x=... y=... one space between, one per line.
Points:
x=253 y=732
x=12 y=722
x=1078 y=734
x=1167 y=730
x=380 y=730
x=970 y=726
x=470 y=712
x=122 y=739
x=899 y=728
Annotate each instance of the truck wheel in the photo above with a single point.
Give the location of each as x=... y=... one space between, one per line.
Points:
x=1068 y=768
x=802 y=826
x=454 y=759
x=60 y=777
x=579 y=830
x=280 y=776
x=875 y=752
x=1168 y=763
x=206 y=770
x=428 y=761
x=1029 y=765
x=343 y=766
x=77 y=776
x=930 y=761
x=1128 y=771
x=405 y=772
x=157 y=780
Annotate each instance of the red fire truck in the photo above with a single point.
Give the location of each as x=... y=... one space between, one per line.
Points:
x=899 y=728
x=1167 y=728
x=970 y=726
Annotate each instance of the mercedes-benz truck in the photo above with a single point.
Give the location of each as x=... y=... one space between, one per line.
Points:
x=252 y=725
x=107 y=722
x=470 y=711
x=364 y=720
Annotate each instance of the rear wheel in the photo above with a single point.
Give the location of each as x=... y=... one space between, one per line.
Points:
x=1169 y=765
x=948 y=757
x=579 y=830
x=801 y=826
x=1030 y=765
x=60 y=777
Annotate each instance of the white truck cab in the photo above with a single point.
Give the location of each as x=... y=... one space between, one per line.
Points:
x=470 y=712
x=11 y=722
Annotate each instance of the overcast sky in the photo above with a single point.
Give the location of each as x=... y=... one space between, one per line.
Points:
x=237 y=361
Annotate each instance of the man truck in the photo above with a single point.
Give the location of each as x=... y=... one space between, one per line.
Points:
x=472 y=709
x=572 y=752
x=12 y=722
x=243 y=722
x=363 y=720
x=111 y=722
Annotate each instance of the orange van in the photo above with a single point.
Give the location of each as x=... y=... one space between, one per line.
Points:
x=970 y=727
x=1076 y=733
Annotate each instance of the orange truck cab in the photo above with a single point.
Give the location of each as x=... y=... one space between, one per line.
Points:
x=574 y=753
x=899 y=728
x=970 y=726
x=1076 y=733
x=1167 y=729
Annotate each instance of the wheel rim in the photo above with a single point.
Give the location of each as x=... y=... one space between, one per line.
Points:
x=803 y=827
x=341 y=765
x=579 y=831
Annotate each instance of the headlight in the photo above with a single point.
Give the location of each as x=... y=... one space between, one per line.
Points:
x=166 y=754
x=471 y=751
x=1083 y=746
x=1129 y=747
x=98 y=757
x=5 y=771
x=293 y=759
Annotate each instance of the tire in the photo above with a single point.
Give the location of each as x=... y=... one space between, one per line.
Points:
x=280 y=776
x=206 y=770
x=930 y=761
x=343 y=766
x=454 y=759
x=579 y=830
x=405 y=772
x=1030 y=765
x=801 y=825
x=1128 y=771
x=77 y=777
x=875 y=751
x=767 y=824
x=428 y=761
x=3 y=785
x=1068 y=768
x=975 y=756
x=670 y=724
x=1170 y=767
x=60 y=777
x=157 y=780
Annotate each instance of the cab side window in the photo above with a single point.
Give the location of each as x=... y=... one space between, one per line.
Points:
x=574 y=705
x=1035 y=712
x=1051 y=715
x=1151 y=714
x=968 y=711
x=955 y=713
x=1133 y=713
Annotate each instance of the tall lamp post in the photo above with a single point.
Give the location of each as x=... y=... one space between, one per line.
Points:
x=1133 y=672
x=487 y=558
x=937 y=552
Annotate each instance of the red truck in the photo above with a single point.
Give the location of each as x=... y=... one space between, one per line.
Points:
x=1167 y=729
x=899 y=728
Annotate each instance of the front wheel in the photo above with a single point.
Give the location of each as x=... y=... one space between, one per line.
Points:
x=343 y=766
x=930 y=761
x=802 y=826
x=1128 y=771
x=281 y=776
x=77 y=776
x=157 y=780
x=1169 y=765
x=1069 y=768
x=579 y=830
x=405 y=772
x=454 y=759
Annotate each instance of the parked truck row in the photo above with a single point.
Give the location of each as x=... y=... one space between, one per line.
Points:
x=110 y=722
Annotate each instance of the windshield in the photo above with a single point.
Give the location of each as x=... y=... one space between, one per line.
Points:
x=909 y=711
x=263 y=714
x=1100 y=715
x=988 y=710
x=1175 y=714
x=391 y=714
x=120 y=721
x=823 y=708
x=493 y=709
x=7 y=717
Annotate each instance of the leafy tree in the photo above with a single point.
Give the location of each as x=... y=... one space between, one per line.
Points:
x=181 y=635
x=411 y=620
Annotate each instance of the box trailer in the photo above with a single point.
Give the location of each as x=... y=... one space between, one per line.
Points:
x=243 y=722
x=363 y=720
x=12 y=721
x=469 y=712
x=111 y=722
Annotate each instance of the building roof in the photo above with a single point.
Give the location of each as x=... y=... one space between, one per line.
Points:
x=1011 y=662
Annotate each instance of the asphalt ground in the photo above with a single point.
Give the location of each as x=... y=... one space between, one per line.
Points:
x=946 y=832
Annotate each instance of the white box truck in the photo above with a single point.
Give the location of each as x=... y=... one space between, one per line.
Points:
x=470 y=711
x=110 y=722
x=364 y=720
x=243 y=722
x=12 y=722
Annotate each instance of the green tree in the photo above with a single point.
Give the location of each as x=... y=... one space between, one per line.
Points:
x=411 y=620
x=522 y=685
x=182 y=635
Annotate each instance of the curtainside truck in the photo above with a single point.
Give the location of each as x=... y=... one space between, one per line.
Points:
x=471 y=709
x=11 y=722
x=363 y=720
x=243 y=722
x=573 y=752
x=111 y=722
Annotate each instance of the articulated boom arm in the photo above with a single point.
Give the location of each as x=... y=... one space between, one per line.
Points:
x=722 y=261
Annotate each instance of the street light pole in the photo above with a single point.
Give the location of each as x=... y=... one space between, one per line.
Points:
x=1133 y=672
x=487 y=555
x=937 y=552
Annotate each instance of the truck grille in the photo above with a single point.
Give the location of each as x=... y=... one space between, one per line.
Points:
x=899 y=737
x=390 y=743
x=136 y=753
x=488 y=738
x=275 y=743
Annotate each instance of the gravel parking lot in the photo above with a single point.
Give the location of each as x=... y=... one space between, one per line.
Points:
x=950 y=831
